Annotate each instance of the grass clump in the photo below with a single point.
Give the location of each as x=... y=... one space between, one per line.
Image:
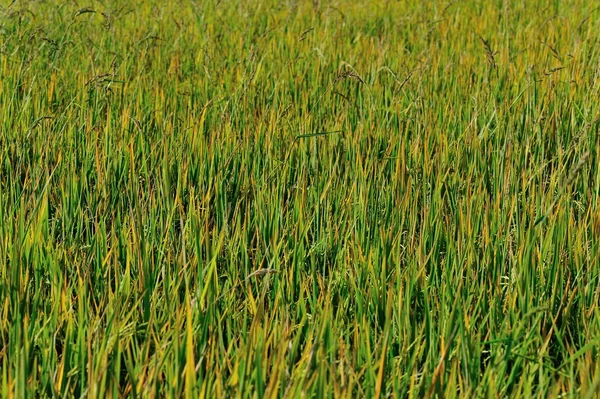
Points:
x=288 y=199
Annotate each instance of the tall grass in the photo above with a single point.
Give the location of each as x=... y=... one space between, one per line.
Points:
x=291 y=198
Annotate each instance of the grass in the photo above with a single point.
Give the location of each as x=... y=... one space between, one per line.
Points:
x=291 y=198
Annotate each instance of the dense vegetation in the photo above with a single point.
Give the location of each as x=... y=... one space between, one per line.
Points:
x=299 y=198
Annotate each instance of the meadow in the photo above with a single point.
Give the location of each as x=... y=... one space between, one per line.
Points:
x=287 y=199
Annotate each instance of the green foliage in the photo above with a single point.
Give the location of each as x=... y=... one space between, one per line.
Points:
x=287 y=198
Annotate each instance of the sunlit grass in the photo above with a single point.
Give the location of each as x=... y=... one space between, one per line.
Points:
x=289 y=198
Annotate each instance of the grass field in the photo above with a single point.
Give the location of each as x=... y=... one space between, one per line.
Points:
x=299 y=198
